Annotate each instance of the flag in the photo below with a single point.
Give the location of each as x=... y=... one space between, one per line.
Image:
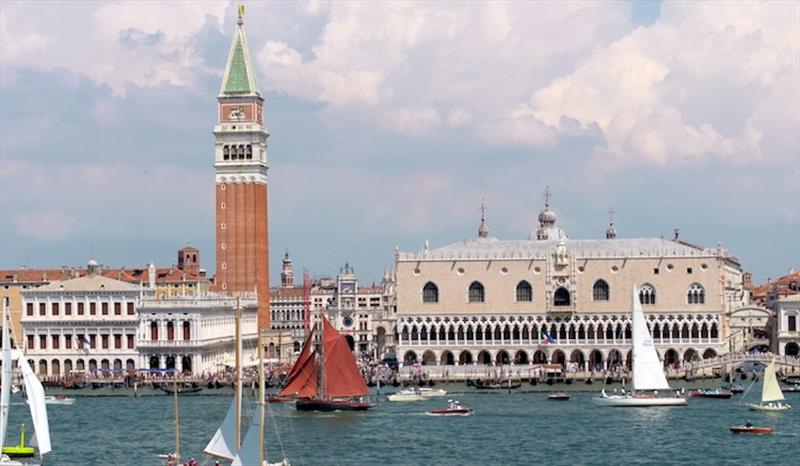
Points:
x=85 y=341
x=547 y=339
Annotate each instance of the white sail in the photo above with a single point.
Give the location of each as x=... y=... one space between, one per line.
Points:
x=249 y=455
x=223 y=443
x=5 y=389
x=648 y=373
x=771 y=390
x=35 y=392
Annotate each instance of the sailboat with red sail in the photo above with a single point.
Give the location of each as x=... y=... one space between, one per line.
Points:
x=329 y=381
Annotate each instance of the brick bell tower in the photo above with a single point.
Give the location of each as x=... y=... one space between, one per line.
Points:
x=240 y=165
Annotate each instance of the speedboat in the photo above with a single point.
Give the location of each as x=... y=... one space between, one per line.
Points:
x=405 y=395
x=417 y=394
x=57 y=400
x=711 y=393
x=751 y=430
x=558 y=396
x=454 y=408
x=737 y=388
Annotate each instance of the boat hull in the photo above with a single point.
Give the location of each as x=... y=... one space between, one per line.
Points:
x=637 y=402
x=558 y=397
x=331 y=405
x=451 y=412
x=404 y=397
x=751 y=430
x=713 y=394
x=774 y=409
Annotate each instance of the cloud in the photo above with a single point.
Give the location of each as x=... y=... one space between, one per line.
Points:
x=45 y=225
x=691 y=85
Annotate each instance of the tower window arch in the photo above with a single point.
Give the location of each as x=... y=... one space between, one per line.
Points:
x=561 y=297
x=226 y=153
x=240 y=152
x=476 y=293
x=647 y=294
x=696 y=294
x=524 y=292
x=600 y=291
x=430 y=293
x=249 y=152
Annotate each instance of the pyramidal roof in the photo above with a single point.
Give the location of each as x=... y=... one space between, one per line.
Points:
x=240 y=76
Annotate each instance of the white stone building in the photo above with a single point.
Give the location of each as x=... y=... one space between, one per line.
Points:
x=194 y=334
x=85 y=324
x=787 y=316
x=551 y=299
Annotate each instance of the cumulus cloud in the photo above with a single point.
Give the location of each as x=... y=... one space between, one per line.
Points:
x=692 y=85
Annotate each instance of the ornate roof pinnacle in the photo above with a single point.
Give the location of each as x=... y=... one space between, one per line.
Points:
x=483 y=230
x=240 y=20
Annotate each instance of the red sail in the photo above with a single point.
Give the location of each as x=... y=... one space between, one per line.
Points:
x=302 y=379
x=342 y=377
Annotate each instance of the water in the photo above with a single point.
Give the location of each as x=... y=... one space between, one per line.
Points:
x=508 y=429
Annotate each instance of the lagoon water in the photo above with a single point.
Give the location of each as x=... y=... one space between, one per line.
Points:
x=520 y=428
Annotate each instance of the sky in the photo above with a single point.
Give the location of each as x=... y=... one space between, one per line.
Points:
x=389 y=122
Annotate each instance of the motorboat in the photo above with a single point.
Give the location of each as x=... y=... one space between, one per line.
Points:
x=648 y=373
x=507 y=384
x=454 y=408
x=417 y=394
x=793 y=389
x=751 y=430
x=57 y=400
x=711 y=393
x=737 y=388
x=558 y=396
x=771 y=395
x=405 y=395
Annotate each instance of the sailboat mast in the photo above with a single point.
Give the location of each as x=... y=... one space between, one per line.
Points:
x=238 y=373
x=261 y=395
x=176 y=408
x=321 y=365
x=5 y=390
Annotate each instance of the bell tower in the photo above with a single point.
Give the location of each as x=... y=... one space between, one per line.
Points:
x=240 y=166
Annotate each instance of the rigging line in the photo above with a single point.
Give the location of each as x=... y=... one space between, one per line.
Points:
x=277 y=431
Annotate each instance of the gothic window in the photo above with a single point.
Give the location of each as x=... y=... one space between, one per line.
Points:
x=600 y=291
x=647 y=294
x=476 y=293
x=696 y=294
x=524 y=292
x=226 y=153
x=240 y=152
x=430 y=293
x=561 y=297
x=249 y=152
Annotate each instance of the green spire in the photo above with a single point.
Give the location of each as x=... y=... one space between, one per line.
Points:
x=238 y=82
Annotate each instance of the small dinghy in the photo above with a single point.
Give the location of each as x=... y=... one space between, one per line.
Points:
x=751 y=430
x=453 y=409
x=558 y=396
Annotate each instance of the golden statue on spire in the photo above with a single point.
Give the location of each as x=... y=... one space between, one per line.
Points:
x=241 y=10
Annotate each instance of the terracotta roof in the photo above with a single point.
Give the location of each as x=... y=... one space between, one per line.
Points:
x=164 y=275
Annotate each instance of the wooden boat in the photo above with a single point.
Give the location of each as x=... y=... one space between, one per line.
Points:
x=506 y=384
x=453 y=409
x=451 y=412
x=648 y=373
x=558 y=396
x=751 y=430
x=771 y=395
x=182 y=390
x=329 y=381
x=711 y=393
